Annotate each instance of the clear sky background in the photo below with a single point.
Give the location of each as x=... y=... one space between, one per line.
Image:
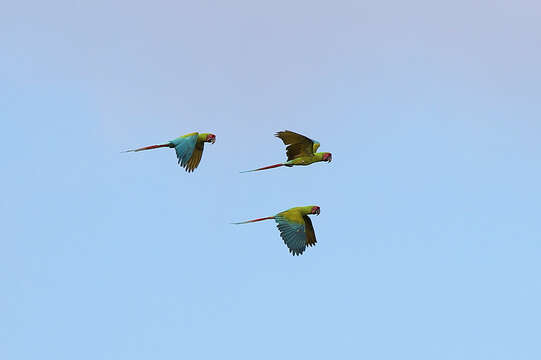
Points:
x=429 y=234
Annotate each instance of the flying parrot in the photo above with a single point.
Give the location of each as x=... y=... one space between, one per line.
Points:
x=300 y=150
x=189 y=148
x=295 y=227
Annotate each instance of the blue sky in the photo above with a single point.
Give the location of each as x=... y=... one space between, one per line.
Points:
x=429 y=233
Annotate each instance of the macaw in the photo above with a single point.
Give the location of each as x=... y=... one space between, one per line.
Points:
x=189 y=148
x=295 y=227
x=300 y=150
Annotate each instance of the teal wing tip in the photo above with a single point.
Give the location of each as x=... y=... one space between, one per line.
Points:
x=245 y=171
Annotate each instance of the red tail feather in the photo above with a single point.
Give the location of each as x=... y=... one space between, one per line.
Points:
x=149 y=147
x=264 y=168
x=255 y=220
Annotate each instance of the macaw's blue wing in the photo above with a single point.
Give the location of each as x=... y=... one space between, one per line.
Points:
x=293 y=234
x=184 y=147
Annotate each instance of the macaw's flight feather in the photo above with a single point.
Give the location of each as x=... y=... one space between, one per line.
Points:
x=295 y=227
x=310 y=233
x=293 y=234
x=297 y=145
x=189 y=148
x=184 y=147
x=196 y=157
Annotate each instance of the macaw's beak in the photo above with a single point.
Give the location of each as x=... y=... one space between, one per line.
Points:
x=213 y=140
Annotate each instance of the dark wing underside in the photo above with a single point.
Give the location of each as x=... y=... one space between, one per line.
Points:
x=196 y=157
x=297 y=145
x=310 y=233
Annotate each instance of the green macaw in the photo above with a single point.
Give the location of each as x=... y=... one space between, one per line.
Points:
x=189 y=148
x=300 y=150
x=295 y=227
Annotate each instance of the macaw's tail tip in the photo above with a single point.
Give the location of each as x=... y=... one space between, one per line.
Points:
x=263 y=168
x=240 y=223
x=148 y=148
x=251 y=221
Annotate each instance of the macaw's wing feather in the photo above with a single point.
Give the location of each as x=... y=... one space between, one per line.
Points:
x=196 y=157
x=298 y=145
x=184 y=147
x=290 y=137
x=293 y=234
x=310 y=234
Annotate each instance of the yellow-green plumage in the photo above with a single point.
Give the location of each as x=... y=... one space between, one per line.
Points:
x=306 y=160
x=189 y=148
x=300 y=150
x=295 y=227
x=296 y=214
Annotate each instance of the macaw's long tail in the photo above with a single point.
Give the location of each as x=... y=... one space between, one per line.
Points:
x=255 y=220
x=264 y=168
x=149 y=147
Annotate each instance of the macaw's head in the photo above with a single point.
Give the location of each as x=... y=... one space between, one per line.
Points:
x=327 y=157
x=211 y=138
x=315 y=210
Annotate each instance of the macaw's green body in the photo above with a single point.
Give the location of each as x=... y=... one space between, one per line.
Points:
x=189 y=148
x=300 y=150
x=305 y=160
x=295 y=227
